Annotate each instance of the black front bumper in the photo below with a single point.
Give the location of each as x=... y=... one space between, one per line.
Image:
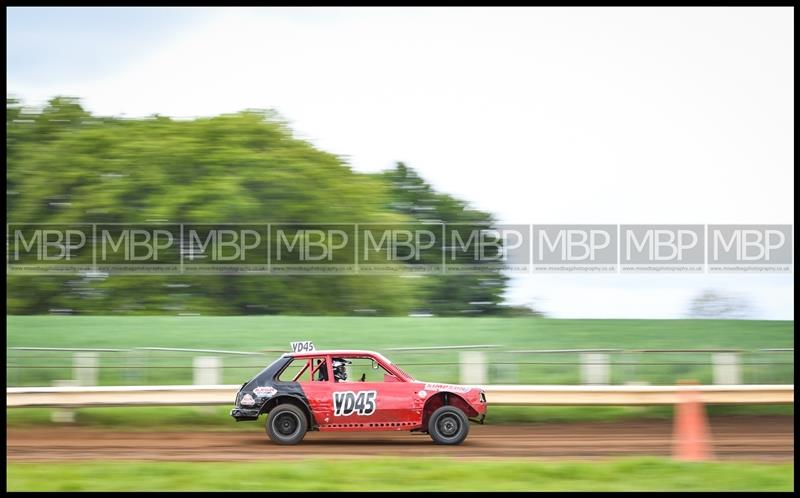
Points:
x=479 y=420
x=245 y=414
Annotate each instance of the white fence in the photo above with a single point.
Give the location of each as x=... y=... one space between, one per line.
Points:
x=498 y=395
x=594 y=365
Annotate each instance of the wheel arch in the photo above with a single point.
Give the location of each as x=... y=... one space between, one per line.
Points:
x=294 y=400
x=443 y=398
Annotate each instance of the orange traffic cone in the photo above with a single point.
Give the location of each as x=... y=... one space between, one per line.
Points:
x=692 y=438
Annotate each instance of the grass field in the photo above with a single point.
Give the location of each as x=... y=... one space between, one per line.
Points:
x=647 y=474
x=275 y=332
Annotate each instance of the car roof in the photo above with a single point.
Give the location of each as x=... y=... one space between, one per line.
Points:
x=335 y=352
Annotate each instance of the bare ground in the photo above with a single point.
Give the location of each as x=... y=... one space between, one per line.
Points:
x=763 y=438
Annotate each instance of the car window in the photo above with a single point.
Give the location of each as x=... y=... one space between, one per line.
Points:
x=321 y=372
x=364 y=367
x=302 y=367
x=402 y=371
x=291 y=370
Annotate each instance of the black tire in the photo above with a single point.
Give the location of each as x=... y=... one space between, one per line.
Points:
x=286 y=424
x=448 y=425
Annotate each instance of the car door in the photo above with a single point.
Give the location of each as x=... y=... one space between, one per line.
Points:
x=379 y=402
x=316 y=385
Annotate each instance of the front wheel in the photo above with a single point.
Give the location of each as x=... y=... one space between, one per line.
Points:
x=448 y=425
x=286 y=424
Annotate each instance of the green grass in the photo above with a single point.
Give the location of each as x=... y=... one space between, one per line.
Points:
x=392 y=474
x=258 y=332
x=275 y=332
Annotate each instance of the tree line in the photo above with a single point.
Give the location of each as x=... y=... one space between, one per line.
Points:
x=65 y=165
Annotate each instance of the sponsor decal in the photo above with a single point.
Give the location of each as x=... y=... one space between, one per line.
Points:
x=422 y=394
x=348 y=402
x=447 y=387
x=247 y=400
x=265 y=391
x=302 y=346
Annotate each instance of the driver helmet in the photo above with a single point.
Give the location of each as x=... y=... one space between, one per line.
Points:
x=340 y=369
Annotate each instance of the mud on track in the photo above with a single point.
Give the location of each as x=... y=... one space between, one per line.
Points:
x=768 y=438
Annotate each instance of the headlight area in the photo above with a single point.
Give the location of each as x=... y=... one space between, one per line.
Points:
x=244 y=407
x=481 y=410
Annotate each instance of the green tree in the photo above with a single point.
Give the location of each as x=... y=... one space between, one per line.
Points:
x=67 y=166
x=455 y=294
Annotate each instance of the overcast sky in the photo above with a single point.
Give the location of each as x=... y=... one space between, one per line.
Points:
x=608 y=115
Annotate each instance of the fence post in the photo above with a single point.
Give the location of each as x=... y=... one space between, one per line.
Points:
x=726 y=368
x=85 y=368
x=207 y=370
x=595 y=368
x=473 y=367
x=63 y=415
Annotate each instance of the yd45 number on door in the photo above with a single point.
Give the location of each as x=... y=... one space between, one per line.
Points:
x=349 y=402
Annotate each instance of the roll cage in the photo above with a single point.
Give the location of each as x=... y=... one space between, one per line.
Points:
x=324 y=359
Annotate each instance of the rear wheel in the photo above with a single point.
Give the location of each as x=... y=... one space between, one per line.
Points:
x=448 y=425
x=286 y=424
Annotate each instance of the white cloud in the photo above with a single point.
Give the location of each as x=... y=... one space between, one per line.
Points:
x=770 y=297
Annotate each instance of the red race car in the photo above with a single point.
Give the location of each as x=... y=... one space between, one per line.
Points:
x=311 y=391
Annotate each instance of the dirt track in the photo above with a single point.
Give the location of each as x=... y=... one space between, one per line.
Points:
x=743 y=438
